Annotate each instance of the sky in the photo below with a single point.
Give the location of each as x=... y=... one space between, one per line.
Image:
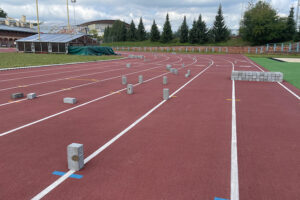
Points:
x=53 y=12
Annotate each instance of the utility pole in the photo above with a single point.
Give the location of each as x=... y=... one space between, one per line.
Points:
x=37 y=17
x=74 y=1
x=68 y=15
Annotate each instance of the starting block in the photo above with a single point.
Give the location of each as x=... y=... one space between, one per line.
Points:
x=169 y=67
x=75 y=156
x=140 y=78
x=31 y=96
x=124 y=80
x=17 y=95
x=70 y=100
x=129 y=89
x=165 y=93
x=165 y=80
x=128 y=65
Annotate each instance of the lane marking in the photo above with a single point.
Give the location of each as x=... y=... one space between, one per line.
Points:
x=234 y=174
x=55 y=80
x=232 y=100
x=86 y=84
x=64 y=111
x=58 y=173
x=106 y=145
x=217 y=198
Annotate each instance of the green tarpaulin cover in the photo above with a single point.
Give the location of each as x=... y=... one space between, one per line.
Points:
x=91 y=50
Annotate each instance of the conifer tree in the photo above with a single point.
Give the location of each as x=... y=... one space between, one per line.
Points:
x=154 y=34
x=184 y=31
x=131 y=35
x=291 y=25
x=201 y=31
x=193 y=33
x=167 y=34
x=141 y=33
x=123 y=36
x=220 y=31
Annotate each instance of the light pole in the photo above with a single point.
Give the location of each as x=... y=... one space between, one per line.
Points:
x=68 y=15
x=37 y=17
x=74 y=1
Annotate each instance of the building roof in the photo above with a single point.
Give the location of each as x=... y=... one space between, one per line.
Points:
x=106 y=21
x=17 y=29
x=54 y=38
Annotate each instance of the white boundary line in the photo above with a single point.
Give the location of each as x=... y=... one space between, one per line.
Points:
x=38 y=66
x=67 y=110
x=86 y=84
x=287 y=89
x=98 y=151
x=83 y=75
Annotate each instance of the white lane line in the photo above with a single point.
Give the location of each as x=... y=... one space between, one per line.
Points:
x=53 y=185
x=50 y=81
x=234 y=174
x=86 y=84
x=54 y=65
x=67 y=110
x=106 y=145
x=41 y=75
x=287 y=89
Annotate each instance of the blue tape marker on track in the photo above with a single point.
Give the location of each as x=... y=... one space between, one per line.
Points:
x=217 y=198
x=77 y=176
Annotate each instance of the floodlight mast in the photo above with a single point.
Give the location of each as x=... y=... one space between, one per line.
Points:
x=68 y=15
x=74 y=1
x=37 y=17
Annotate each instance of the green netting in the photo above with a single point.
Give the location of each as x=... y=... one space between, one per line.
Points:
x=91 y=50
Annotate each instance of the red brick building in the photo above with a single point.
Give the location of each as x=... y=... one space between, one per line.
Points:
x=9 y=34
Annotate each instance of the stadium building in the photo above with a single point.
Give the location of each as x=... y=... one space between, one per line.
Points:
x=12 y=30
x=99 y=25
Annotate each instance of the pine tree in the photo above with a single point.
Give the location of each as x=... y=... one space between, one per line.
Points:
x=3 y=13
x=220 y=31
x=131 y=35
x=201 y=31
x=184 y=31
x=167 y=34
x=141 y=33
x=193 y=33
x=291 y=26
x=123 y=32
x=154 y=34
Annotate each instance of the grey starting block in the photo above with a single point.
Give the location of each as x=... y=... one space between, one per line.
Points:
x=17 y=95
x=124 y=80
x=140 y=78
x=75 y=156
x=182 y=65
x=129 y=89
x=128 y=65
x=174 y=71
x=169 y=67
x=166 y=94
x=165 y=80
x=70 y=100
x=31 y=96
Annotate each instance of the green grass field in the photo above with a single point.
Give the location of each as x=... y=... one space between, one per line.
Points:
x=291 y=71
x=8 y=60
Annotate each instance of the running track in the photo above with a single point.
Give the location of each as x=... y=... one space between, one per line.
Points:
x=141 y=147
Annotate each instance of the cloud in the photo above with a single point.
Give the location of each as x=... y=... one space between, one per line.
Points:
x=54 y=11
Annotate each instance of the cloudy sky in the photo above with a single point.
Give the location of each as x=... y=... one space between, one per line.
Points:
x=54 y=11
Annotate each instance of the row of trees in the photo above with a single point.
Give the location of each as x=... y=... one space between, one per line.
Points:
x=198 y=34
x=261 y=24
